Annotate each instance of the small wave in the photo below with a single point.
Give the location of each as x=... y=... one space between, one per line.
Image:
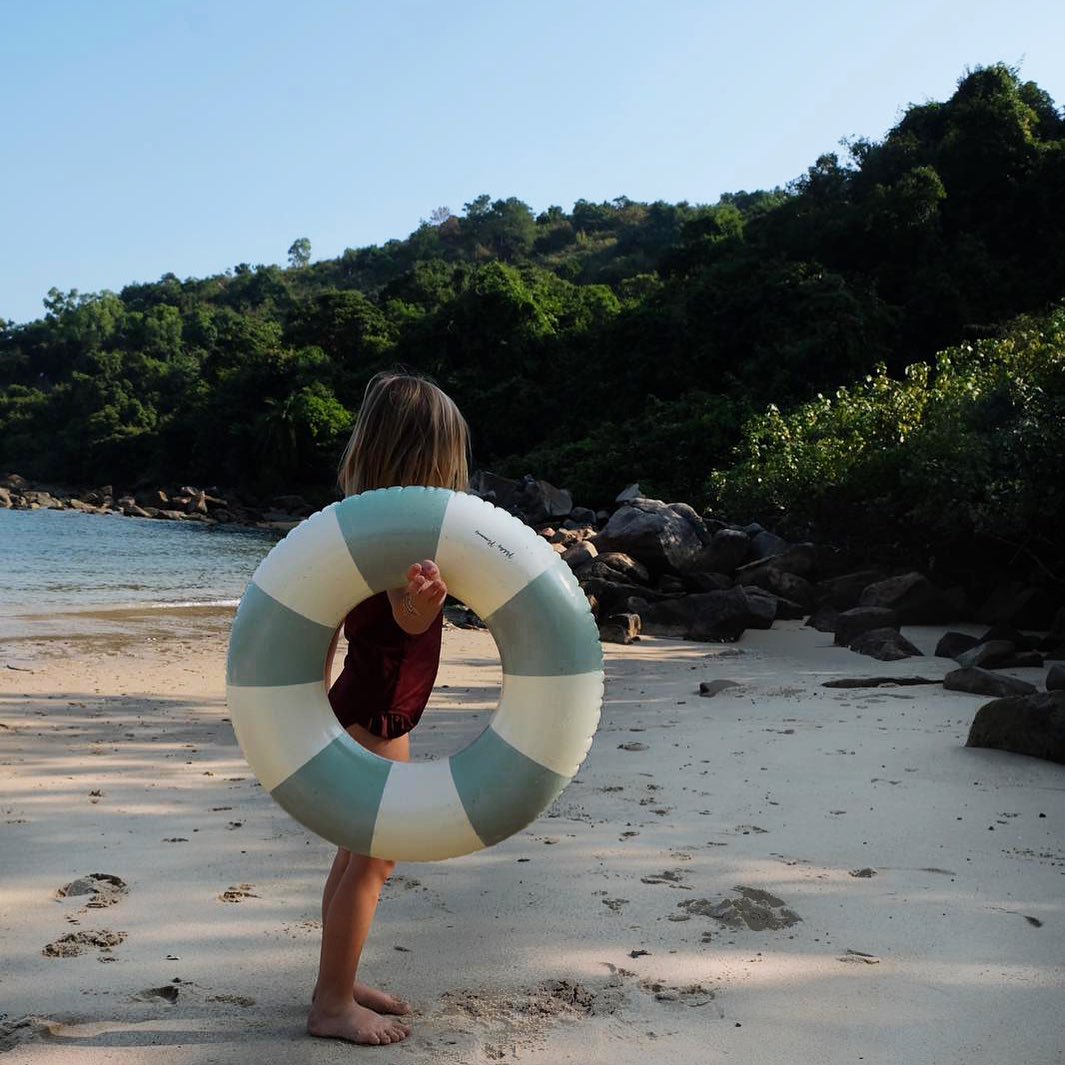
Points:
x=193 y=602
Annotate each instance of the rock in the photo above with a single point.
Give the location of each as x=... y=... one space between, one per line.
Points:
x=824 y=618
x=579 y=553
x=171 y=515
x=764 y=543
x=978 y=681
x=501 y=491
x=87 y=508
x=294 y=504
x=784 y=609
x=709 y=688
x=843 y=592
x=1013 y=603
x=951 y=644
x=620 y=628
x=859 y=619
x=5 y=498
x=1056 y=679
x=779 y=582
x=797 y=559
x=887 y=645
x=133 y=511
x=583 y=516
x=42 y=501
x=627 y=495
x=613 y=596
x=708 y=615
x=915 y=599
x=671 y=585
x=626 y=565
x=707 y=582
x=1056 y=636
x=559 y=549
x=198 y=503
x=537 y=501
x=727 y=549
x=15 y=482
x=876 y=682
x=1019 y=660
x=662 y=535
x=1007 y=632
x=985 y=654
x=1033 y=725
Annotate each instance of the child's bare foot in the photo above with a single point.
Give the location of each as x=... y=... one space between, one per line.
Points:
x=357 y=1024
x=381 y=1001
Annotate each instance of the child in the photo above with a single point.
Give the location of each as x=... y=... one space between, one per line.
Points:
x=408 y=433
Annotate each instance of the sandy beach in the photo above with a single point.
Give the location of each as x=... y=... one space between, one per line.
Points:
x=907 y=894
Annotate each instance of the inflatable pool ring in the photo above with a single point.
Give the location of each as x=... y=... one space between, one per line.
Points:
x=535 y=610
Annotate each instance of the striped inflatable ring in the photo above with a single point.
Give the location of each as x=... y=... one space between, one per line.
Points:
x=548 y=645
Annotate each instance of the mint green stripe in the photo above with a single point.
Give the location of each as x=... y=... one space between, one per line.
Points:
x=272 y=645
x=337 y=794
x=389 y=529
x=501 y=789
x=546 y=629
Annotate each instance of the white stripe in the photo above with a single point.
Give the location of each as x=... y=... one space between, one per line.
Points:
x=486 y=556
x=281 y=729
x=312 y=572
x=421 y=817
x=550 y=719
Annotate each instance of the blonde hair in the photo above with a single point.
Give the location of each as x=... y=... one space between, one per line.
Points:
x=408 y=432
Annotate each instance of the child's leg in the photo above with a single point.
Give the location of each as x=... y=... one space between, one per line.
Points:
x=349 y=904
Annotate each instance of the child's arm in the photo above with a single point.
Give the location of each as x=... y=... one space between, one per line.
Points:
x=416 y=606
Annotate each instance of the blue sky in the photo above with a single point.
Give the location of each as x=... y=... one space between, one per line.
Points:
x=145 y=137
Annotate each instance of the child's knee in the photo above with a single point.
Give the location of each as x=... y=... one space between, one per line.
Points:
x=377 y=868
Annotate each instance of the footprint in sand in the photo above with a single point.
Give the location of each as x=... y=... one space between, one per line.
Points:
x=74 y=943
x=754 y=909
x=105 y=888
x=238 y=893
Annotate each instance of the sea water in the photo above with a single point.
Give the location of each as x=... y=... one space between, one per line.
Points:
x=58 y=561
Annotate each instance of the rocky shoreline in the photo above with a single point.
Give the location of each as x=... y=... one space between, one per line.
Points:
x=662 y=569
x=176 y=503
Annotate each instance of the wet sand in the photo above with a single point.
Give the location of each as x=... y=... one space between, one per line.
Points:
x=781 y=871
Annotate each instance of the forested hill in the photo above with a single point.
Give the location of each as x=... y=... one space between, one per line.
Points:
x=613 y=342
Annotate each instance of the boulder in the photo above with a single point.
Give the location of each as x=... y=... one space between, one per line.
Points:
x=1056 y=679
x=798 y=559
x=620 y=628
x=859 y=619
x=671 y=585
x=198 y=504
x=824 y=618
x=5 y=498
x=951 y=644
x=779 y=582
x=625 y=565
x=15 y=482
x=579 y=553
x=709 y=615
x=1020 y=660
x=978 y=681
x=613 y=596
x=915 y=599
x=1023 y=724
x=985 y=654
x=538 y=501
x=627 y=495
x=764 y=543
x=1013 y=603
x=708 y=582
x=662 y=535
x=887 y=645
x=727 y=550
x=131 y=510
x=583 y=516
x=502 y=491
x=1007 y=632
x=843 y=592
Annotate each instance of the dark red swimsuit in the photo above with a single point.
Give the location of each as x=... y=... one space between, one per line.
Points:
x=388 y=674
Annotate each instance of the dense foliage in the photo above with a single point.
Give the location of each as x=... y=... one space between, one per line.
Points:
x=963 y=460
x=613 y=342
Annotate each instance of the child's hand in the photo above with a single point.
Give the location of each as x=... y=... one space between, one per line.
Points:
x=423 y=597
